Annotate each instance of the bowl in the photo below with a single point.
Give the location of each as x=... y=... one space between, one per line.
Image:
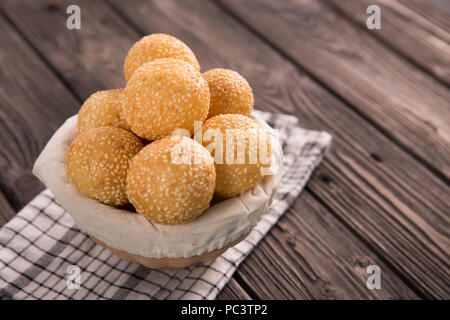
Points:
x=132 y=237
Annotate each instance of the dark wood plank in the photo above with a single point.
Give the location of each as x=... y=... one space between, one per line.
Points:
x=171 y=20
x=435 y=12
x=407 y=245
x=316 y=258
x=422 y=201
x=274 y=90
x=6 y=211
x=33 y=104
x=233 y=291
x=89 y=59
x=227 y=44
x=380 y=197
x=404 y=102
x=402 y=30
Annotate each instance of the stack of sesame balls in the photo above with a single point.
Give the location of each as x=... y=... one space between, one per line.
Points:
x=111 y=161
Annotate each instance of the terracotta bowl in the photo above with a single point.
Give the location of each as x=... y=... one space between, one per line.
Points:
x=169 y=263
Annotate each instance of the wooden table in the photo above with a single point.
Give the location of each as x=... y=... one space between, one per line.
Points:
x=381 y=196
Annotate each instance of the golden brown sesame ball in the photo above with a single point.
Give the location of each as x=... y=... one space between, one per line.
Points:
x=167 y=190
x=234 y=178
x=157 y=46
x=230 y=92
x=97 y=162
x=103 y=108
x=164 y=95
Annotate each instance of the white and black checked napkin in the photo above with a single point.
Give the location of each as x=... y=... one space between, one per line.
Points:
x=39 y=245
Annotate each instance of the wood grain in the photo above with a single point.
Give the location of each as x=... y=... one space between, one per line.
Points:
x=382 y=196
x=6 y=211
x=402 y=29
x=34 y=103
x=48 y=55
x=420 y=199
x=435 y=12
x=226 y=43
x=316 y=258
x=405 y=240
x=282 y=89
x=89 y=59
x=405 y=103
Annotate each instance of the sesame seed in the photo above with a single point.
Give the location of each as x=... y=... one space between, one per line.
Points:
x=155 y=111
x=176 y=198
x=90 y=165
x=103 y=108
x=234 y=179
x=229 y=92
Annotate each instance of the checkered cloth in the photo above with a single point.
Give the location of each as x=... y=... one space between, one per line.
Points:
x=39 y=246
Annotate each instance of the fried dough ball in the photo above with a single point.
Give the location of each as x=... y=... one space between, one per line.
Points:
x=164 y=95
x=97 y=162
x=103 y=108
x=240 y=170
x=157 y=46
x=230 y=92
x=167 y=184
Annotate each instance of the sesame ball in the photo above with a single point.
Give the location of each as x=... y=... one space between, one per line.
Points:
x=97 y=162
x=164 y=95
x=244 y=171
x=230 y=92
x=157 y=46
x=171 y=180
x=103 y=108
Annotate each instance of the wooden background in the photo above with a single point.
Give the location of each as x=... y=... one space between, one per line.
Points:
x=382 y=195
